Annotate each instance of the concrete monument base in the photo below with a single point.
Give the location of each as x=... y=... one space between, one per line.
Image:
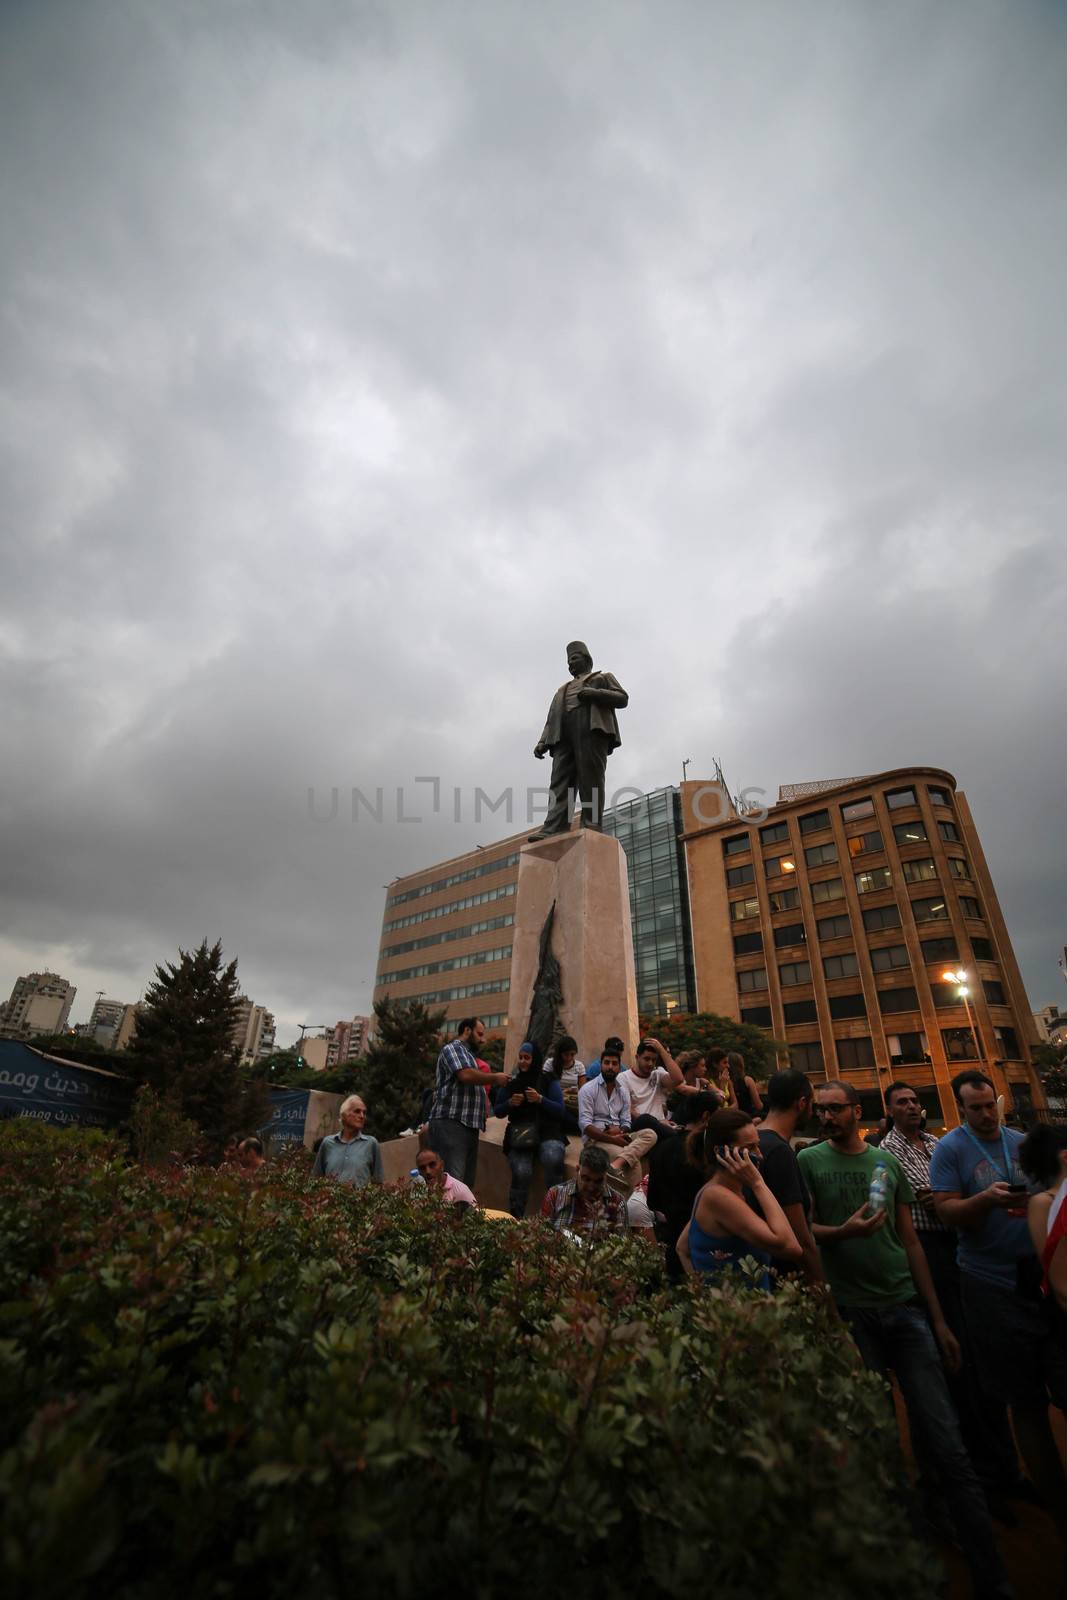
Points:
x=584 y=874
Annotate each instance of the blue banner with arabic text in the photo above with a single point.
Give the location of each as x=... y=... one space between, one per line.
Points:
x=49 y=1090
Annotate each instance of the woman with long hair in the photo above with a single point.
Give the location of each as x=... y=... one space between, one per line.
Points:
x=746 y=1097
x=532 y=1101
x=724 y=1229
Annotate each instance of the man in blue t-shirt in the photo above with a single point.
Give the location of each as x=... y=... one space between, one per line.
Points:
x=980 y=1189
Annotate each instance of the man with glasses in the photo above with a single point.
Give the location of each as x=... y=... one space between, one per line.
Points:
x=879 y=1280
x=980 y=1189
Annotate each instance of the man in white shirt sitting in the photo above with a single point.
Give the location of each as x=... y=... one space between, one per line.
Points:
x=604 y=1117
x=653 y=1076
x=439 y=1181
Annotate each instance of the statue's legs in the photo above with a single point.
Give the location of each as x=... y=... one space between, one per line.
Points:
x=579 y=763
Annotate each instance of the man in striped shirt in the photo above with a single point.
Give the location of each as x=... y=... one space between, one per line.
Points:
x=457 y=1114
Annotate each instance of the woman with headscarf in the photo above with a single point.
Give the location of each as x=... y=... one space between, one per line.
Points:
x=532 y=1101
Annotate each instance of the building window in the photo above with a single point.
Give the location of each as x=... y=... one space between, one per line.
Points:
x=846 y=966
x=857 y=809
x=909 y=832
x=983 y=950
x=970 y=907
x=757 y=1016
x=934 y=910
x=746 y=944
x=921 y=871
x=944 y=949
x=791 y=933
x=879 y=918
x=800 y=1011
x=774 y=833
x=862 y=844
x=821 y=855
x=1008 y=1045
x=896 y=798
x=827 y=889
x=815 y=821
x=890 y=958
x=793 y=972
x=903 y=999
x=959 y=1044
x=754 y=978
x=906 y=1049
x=946 y=994
x=834 y=927
x=742 y=910
x=847 y=1005
x=736 y=876
x=939 y=797
x=949 y=832
x=854 y=1054
x=994 y=992
x=806 y=1057
x=784 y=899
x=774 y=865
x=735 y=845
x=873 y=879
x=958 y=867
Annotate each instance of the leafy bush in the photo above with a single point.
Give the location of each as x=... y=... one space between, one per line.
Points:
x=703 y=1030
x=213 y=1387
x=158 y=1131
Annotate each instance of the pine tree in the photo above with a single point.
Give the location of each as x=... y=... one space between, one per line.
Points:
x=400 y=1065
x=184 y=1046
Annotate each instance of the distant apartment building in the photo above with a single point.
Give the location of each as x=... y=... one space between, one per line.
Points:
x=857 y=923
x=1051 y=1024
x=253 y=1031
x=105 y=1021
x=347 y=1041
x=39 y=1003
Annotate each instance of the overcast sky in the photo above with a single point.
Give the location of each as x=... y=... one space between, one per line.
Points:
x=356 y=357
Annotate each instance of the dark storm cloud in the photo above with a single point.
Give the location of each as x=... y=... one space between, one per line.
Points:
x=356 y=357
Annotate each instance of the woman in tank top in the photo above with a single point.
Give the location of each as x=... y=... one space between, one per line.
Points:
x=724 y=1229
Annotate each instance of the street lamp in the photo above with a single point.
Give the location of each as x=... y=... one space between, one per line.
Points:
x=960 y=979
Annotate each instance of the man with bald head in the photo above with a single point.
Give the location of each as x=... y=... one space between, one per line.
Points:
x=581 y=732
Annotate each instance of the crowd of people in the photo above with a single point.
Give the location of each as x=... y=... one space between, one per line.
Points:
x=946 y=1258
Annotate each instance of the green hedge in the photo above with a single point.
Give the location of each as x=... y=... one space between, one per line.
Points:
x=212 y=1387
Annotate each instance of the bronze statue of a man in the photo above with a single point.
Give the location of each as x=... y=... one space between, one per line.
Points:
x=581 y=732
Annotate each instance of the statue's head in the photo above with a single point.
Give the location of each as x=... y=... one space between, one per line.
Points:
x=578 y=657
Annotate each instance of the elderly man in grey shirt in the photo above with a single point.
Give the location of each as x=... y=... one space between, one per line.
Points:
x=350 y=1156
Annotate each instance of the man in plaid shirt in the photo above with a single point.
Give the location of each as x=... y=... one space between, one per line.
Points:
x=586 y=1204
x=457 y=1115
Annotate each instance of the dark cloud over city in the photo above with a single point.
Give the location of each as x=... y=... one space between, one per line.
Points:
x=353 y=358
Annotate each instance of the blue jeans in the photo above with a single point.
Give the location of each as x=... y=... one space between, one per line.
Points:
x=899 y=1337
x=457 y=1145
x=553 y=1153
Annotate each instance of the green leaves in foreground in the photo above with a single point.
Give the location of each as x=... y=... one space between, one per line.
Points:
x=211 y=1387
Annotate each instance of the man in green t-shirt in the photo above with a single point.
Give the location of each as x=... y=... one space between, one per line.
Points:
x=879 y=1278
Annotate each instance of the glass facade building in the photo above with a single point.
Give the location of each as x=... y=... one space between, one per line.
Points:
x=649 y=828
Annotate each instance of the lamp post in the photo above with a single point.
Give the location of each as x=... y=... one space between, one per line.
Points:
x=960 y=979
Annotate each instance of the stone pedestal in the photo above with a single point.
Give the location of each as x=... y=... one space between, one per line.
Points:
x=584 y=873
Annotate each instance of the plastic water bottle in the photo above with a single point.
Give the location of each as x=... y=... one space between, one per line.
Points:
x=879 y=1188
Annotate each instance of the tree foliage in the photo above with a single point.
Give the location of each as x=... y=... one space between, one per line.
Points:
x=704 y=1029
x=184 y=1047
x=399 y=1065
x=211 y=1386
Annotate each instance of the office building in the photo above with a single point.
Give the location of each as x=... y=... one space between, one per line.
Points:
x=446 y=934
x=857 y=923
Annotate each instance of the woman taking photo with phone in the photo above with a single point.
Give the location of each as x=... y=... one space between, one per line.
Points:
x=724 y=1229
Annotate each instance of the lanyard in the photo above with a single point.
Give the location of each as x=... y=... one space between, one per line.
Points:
x=1004 y=1150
